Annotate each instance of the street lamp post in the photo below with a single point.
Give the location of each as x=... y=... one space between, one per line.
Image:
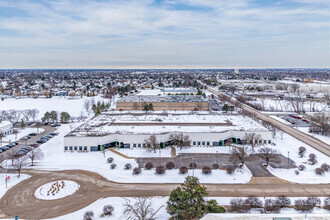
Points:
x=288 y=158
x=217 y=158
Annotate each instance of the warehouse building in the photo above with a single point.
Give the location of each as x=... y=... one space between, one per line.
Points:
x=131 y=130
x=6 y=127
x=163 y=103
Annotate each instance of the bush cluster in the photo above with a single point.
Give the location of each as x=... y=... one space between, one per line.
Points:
x=230 y=170
x=88 y=215
x=137 y=170
x=170 y=165
x=307 y=204
x=215 y=166
x=160 y=169
x=325 y=167
x=302 y=151
x=108 y=210
x=319 y=171
x=113 y=166
x=127 y=166
x=327 y=203
x=312 y=159
x=301 y=167
x=206 y=170
x=239 y=205
x=271 y=205
x=110 y=160
x=148 y=166
x=183 y=170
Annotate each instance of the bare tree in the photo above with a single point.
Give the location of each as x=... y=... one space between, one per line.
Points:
x=87 y=105
x=151 y=143
x=26 y=115
x=239 y=155
x=320 y=124
x=17 y=114
x=296 y=98
x=19 y=164
x=253 y=139
x=34 y=113
x=35 y=154
x=268 y=154
x=141 y=209
x=180 y=140
x=11 y=156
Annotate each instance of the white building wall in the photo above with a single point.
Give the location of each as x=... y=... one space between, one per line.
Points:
x=86 y=142
x=6 y=127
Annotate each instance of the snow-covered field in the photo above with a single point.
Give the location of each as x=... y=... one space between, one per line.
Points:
x=74 y=106
x=118 y=204
x=57 y=159
x=11 y=182
x=56 y=190
x=291 y=145
x=21 y=133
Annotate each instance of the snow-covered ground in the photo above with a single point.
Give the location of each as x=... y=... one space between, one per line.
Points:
x=56 y=190
x=11 y=182
x=56 y=159
x=21 y=133
x=290 y=145
x=74 y=106
x=118 y=204
x=323 y=138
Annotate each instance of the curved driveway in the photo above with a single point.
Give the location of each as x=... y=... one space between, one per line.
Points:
x=307 y=139
x=20 y=199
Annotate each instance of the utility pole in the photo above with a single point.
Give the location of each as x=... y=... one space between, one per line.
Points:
x=6 y=174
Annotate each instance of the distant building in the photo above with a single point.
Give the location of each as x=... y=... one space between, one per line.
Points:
x=163 y=103
x=180 y=91
x=6 y=127
x=236 y=71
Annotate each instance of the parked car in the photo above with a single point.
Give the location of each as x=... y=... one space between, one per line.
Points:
x=12 y=144
x=54 y=133
x=32 y=134
x=41 y=141
x=34 y=145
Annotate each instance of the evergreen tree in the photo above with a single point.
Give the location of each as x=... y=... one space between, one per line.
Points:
x=225 y=108
x=65 y=117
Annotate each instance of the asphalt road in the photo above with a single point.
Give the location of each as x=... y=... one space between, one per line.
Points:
x=20 y=199
x=307 y=139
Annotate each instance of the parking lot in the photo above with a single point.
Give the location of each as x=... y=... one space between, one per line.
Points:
x=215 y=105
x=295 y=120
x=25 y=143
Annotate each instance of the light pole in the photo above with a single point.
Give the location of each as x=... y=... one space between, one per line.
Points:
x=288 y=158
x=217 y=158
x=6 y=174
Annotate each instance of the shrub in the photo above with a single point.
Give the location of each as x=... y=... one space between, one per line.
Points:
x=215 y=166
x=314 y=201
x=325 y=167
x=253 y=202
x=170 y=165
x=128 y=166
x=283 y=201
x=327 y=203
x=206 y=170
x=88 y=215
x=301 y=167
x=296 y=172
x=137 y=170
x=302 y=151
x=110 y=160
x=303 y=205
x=108 y=209
x=272 y=206
x=113 y=166
x=192 y=166
x=239 y=205
x=183 y=170
x=319 y=171
x=213 y=207
x=148 y=166
x=230 y=170
x=312 y=159
x=160 y=170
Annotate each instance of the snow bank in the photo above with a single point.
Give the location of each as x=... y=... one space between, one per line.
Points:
x=12 y=182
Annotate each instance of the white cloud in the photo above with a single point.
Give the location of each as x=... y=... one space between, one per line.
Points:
x=67 y=34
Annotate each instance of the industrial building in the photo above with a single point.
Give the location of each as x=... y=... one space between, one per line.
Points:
x=6 y=127
x=129 y=130
x=163 y=103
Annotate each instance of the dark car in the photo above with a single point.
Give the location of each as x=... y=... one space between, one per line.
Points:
x=45 y=138
x=32 y=134
x=41 y=141
x=54 y=133
x=34 y=145
x=12 y=144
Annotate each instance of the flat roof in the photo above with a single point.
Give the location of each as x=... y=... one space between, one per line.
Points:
x=166 y=98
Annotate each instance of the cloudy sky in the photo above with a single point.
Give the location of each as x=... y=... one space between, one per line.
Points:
x=164 y=33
